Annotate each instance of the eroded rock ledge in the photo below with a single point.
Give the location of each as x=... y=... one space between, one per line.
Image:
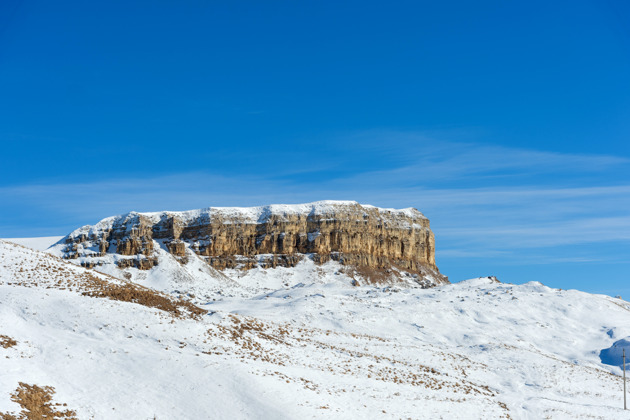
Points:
x=269 y=236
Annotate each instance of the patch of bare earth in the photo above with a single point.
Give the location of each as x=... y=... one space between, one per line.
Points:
x=6 y=341
x=391 y=274
x=36 y=403
x=130 y=292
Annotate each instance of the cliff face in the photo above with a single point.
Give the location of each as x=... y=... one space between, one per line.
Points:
x=278 y=235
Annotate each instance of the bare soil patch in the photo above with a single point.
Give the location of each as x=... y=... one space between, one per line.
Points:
x=36 y=403
x=130 y=292
x=6 y=341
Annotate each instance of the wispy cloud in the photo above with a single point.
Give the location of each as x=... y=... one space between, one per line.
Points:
x=482 y=200
x=587 y=230
x=426 y=161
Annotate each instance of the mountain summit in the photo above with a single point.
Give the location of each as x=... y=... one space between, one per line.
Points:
x=373 y=245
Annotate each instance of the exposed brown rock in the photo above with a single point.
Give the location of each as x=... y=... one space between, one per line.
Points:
x=177 y=248
x=362 y=236
x=140 y=263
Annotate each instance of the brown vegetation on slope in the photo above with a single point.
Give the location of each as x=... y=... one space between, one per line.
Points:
x=47 y=271
x=36 y=403
x=130 y=292
x=6 y=341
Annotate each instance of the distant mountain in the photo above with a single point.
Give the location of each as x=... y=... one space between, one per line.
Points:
x=40 y=244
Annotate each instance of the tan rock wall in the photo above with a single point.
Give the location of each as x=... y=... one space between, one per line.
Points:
x=351 y=233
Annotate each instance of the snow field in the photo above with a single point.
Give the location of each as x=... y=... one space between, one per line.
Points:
x=305 y=343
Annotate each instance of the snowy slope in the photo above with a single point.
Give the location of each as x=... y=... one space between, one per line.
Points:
x=312 y=347
x=197 y=278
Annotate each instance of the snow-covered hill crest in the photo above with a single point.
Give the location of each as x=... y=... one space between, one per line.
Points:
x=316 y=349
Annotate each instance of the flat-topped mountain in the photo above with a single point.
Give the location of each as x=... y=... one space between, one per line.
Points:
x=379 y=243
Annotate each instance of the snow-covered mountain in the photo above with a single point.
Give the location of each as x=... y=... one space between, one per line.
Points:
x=303 y=346
x=208 y=250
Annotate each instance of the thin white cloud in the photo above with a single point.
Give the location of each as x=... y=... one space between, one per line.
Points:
x=485 y=201
x=590 y=230
x=446 y=162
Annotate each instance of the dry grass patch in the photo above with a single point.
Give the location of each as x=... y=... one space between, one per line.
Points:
x=378 y=276
x=6 y=341
x=372 y=275
x=36 y=403
x=130 y=292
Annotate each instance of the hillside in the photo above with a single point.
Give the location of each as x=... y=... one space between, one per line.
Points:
x=475 y=349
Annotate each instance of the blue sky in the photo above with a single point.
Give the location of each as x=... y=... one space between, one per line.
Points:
x=506 y=123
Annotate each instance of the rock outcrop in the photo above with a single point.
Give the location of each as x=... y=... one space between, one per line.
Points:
x=367 y=237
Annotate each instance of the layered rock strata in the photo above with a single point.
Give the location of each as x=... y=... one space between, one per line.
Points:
x=269 y=236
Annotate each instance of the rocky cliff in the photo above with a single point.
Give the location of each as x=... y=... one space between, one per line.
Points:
x=373 y=240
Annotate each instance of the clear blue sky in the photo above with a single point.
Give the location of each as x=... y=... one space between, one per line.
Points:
x=507 y=123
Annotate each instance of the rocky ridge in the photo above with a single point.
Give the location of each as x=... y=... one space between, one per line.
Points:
x=375 y=241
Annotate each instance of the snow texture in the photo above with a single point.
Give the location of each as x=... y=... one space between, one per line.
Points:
x=40 y=244
x=305 y=343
